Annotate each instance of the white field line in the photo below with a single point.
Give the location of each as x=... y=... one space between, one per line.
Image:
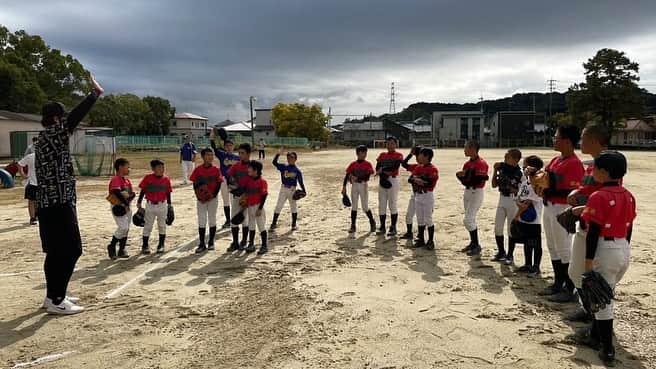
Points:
x=157 y=265
x=33 y=272
x=42 y=360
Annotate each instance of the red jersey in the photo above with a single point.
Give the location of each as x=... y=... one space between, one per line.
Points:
x=428 y=173
x=120 y=183
x=613 y=208
x=567 y=173
x=390 y=160
x=156 y=188
x=238 y=173
x=256 y=189
x=360 y=171
x=480 y=168
x=211 y=176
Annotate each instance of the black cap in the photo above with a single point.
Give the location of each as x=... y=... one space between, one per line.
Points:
x=50 y=110
x=612 y=162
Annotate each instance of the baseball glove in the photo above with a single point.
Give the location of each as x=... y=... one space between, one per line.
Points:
x=384 y=181
x=238 y=218
x=515 y=230
x=119 y=210
x=114 y=200
x=243 y=201
x=298 y=194
x=139 y=218
x=222 y=133
x=596 y=292
x=580 y=199
x=540 y=182
x=346 y=201
x=467 y=178
x=237 y=191
x=568 y=220
x=170 y=216
x=203 y=194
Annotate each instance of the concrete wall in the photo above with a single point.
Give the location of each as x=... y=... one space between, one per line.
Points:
x=7 y=126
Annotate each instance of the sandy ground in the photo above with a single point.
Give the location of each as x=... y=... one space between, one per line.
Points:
x=318 y=299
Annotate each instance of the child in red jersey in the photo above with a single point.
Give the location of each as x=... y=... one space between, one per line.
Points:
x=156 y=188
x=120 y=188
x=256 y=192
x=608 y=216
x=424 y=179
x=565 y=174
x=387 y=167
x=594 y=140
x=473 y=176
x=207 y=175
x=237 y=180
x=358 y=174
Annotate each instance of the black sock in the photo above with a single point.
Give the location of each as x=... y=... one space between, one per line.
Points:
x=294 y=219
x=420 y=233
x=354 y=216
x=558 y=274
x=145 y=242
x=382 y=221
x=264 y=236
x=113 y=242
x=235 y=235
x=528 y=251
x=201 y=236
x=431 y=232
x=212 y=234
x=393 y=218
x=537 y=252
x=499 y=240
x=162 y=239
x=569 y=284
x=474 y=237
x=370 y=216
x=606 y=334
x=275 y=218
x=511 y=247
x=122 y=242
x=226 y=212
x=244 y=234
x=251 y=237
x=409 y=227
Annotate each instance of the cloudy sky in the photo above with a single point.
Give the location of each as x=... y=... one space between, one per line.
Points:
x=207 y=56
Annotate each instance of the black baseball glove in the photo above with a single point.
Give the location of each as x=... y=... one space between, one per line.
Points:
x=170 y=216
x=596 y=292
x=346 y=201
x=568 y=220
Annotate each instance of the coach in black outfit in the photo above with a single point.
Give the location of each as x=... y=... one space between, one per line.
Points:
x=55 y=200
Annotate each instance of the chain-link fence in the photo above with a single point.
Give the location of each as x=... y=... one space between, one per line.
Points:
x=173 y=143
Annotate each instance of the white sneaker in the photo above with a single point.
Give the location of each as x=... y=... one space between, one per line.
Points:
x=65 y=308
x=72 y=299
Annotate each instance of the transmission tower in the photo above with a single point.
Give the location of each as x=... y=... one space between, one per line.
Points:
x=392 y=106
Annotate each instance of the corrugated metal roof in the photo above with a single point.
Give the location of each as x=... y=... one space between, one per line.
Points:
x=188 y=116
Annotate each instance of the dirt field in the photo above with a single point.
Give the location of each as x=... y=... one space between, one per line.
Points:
x=318 y=299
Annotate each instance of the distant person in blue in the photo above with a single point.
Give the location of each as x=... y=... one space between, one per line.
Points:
x=187 y=158
x=290 y=176
x=226 y=158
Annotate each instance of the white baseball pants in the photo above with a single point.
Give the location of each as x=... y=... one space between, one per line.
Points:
x=207 y=212
x=424 y=203
x=506 y=210
x=473 y=199
x=155 y=211
x=360 y=190
x=387 y=197
x=559 y=242
x=285 y=195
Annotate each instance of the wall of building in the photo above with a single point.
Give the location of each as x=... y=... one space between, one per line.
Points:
x=263 y=118
x=7 y=126
x=195 y=127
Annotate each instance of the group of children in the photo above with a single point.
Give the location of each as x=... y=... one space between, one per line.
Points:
x=239 y=181
x=593 y=192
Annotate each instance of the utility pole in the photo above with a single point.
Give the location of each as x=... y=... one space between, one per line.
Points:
x=392 y=106
x=552 y=87
x=251 y=99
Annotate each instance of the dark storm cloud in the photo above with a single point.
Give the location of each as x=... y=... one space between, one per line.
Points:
x=208 y=56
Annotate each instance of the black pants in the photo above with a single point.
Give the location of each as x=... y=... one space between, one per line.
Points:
x=61 y=241
x=260 y=154
x=532 y=240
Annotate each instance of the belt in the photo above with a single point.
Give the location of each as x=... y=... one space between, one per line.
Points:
x=289 y=186
x=472 y=188
x=423 y=191
x=609 y=238
x=155 y=202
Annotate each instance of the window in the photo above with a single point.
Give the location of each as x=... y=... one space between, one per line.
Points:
x=464 y=128
x=476 y=128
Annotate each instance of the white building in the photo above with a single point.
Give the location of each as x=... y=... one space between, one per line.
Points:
x=453 y=128
x=189 y=124
x=263 y=126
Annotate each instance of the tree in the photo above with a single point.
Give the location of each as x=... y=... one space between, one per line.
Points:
x=300 y=120
x=160 y=115
x=610 y=92
x=60 y=77
x=19 y=91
